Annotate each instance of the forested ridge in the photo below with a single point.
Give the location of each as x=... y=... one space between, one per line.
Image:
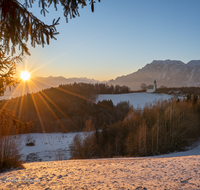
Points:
x=68 y=107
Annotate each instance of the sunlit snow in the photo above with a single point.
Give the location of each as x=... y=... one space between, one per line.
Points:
x=173 y=171
x=180 y=170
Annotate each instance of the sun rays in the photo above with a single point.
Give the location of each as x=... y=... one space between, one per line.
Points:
x=29 y=86
x=25 y=75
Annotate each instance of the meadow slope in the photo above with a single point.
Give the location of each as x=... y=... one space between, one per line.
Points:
x=179 y=170
x=118 y=173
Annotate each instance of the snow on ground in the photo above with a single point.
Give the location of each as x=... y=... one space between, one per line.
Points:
x=193 y=150
x=179 y=170
x=48 y=147
x=137 y=100
x=117 y=173
x=55 y=146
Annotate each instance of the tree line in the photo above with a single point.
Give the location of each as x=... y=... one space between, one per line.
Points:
x=164 y=127
x=95 y=89
x=185 y=90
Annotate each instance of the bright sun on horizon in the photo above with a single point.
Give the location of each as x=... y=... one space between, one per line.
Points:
x=25 y=75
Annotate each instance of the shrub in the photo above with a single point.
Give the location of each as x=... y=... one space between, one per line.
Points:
x=76 y=148
x=59 y=154
x=10 y=156
x=10 y=141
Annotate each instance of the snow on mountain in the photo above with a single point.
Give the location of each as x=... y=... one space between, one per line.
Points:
x=171 y=73
x=194 y=63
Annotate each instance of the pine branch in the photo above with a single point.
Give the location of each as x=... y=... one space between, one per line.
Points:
x=18 y=25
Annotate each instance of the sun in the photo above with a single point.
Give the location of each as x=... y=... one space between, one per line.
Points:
x=25 y=75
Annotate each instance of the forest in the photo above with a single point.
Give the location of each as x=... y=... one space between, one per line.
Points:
x=164 y=127
x=109 y=130
x=67 y=107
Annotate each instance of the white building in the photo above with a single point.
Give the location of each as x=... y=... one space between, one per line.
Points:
x=152 y=88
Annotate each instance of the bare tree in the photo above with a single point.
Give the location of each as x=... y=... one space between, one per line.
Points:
x=143 y=86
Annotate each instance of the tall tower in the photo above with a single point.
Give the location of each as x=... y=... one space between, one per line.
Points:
x=154 y=86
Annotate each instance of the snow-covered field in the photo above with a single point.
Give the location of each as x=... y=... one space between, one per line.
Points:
x=118 y=173
x=48 y=147
x=137 y=100
x=55 y=146
x=179 y=170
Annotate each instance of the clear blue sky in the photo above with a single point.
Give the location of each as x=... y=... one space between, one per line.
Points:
x=120 y=37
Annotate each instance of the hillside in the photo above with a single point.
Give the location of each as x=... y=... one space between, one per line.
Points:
x=66 y=108
x=118 y=173
x=169 y=73
x=179 y=170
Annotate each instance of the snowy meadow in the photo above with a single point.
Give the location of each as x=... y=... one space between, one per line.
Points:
x=180 y=172
x=47 y=164
x=137 y=100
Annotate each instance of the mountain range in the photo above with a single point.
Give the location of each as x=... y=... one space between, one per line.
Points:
x=170 y=73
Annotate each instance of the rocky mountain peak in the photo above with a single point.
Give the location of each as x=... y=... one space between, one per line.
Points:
x=194 y=63
x=171 y=73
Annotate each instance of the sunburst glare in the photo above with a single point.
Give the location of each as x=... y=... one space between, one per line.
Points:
x=25 y=75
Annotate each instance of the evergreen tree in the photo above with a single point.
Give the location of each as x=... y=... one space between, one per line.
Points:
x=18 y=25
x=104 y=134
x=7 y=70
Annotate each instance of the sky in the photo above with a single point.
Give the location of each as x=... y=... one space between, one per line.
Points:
x=120 y=37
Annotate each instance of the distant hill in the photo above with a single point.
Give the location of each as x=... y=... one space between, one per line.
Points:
x=170 y=73
x=40 y=83
x=56 y=81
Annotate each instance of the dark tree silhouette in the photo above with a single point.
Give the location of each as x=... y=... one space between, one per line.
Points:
x=143 y=87
x=18 y=25
x=7 y=70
